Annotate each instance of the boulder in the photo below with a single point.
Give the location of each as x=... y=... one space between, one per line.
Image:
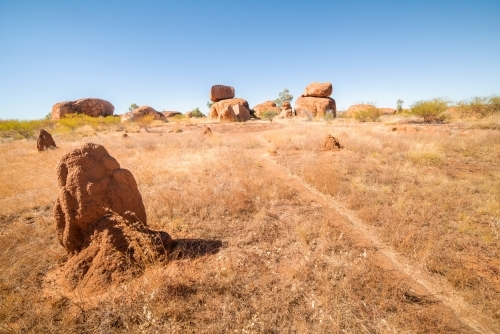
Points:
x=264 y=106
x=352 y=110
x=90 y=107
x=221 y=92
x=101 y=220
x=286 y=113
x=331 y=144
x=142 y=112
x=318 y=89
x=387 y=111
x=314 y=106
x=286 y=105
x=189 y=114
x=45 y=141
x=218 y=107
x=228 y=115
x=241 y=112
x=169 y=114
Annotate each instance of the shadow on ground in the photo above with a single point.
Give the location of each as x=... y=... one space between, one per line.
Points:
x=193 y=248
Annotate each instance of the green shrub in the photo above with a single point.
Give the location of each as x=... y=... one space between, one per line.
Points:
x=479 y=106
x=197 y=113
x=370 y=113
x=20 y=129
x=430 y=110
x=268 y=114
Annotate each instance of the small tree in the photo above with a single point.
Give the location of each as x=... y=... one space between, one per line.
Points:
x=283 y=97
x=197 y=113
x=132 y=107
x=210 y=104
x=399 y=106
x=430 y=110
x=268 y=114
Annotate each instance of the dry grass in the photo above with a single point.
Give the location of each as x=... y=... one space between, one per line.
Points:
x=432 y=192
x=285 y=266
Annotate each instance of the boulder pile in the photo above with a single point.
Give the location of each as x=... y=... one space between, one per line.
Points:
x=45 y=141
x=101 y=221
x=143 y=112
x=286 y=110
x=227 y=108
x=316 y=101
x=90 y=107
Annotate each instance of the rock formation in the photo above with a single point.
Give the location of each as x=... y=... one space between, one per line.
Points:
x=222 y=105
x=387 y=111
x=241 y=112
x=101 y=220
x=265 y=106
x=45 y=141
x=142 y=112
x=286 y=110
x=228 y=115
x=169 y=114
x=90 y=107
x=221 y=92
x=331 y=144
x=207 y=130
x=315 y=102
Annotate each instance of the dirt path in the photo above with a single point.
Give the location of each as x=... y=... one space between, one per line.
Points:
x=366 y=236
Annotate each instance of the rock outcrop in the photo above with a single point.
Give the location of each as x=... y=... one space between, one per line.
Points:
x=241 y=112
x=318 y=89
x=101 y=220
x=141 y=113
x=314 y=106
x=331 y=144
x=169 y=114
x=45 y=141
x=221 y=92
x=220 y=106
x=315 y=102
x=265 y=106
x=387 y=111
x=228 y=115
x=90 y=107
x=286 y=110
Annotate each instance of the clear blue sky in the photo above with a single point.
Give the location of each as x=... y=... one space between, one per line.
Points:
x=167 y=54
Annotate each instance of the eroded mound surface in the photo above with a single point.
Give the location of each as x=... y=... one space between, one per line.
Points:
x=101 y=219
x=331 y=143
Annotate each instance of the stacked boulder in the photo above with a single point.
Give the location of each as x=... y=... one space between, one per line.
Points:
x=141 y=113
x=316 y=101
x=91 y=107
x=101 y=221
x=227 y=108
x=266 y=106
x=286 y=110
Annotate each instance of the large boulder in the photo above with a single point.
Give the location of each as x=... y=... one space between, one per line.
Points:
x=90 y=107
x=101 y=219
x=221 y=92
x=318 y=89
x=219 y=106
x=241 y=112
x=306 y=106
x=228 y=115
x=265 y=106
x=352 y=110
x=141 y=113
x=45 y=141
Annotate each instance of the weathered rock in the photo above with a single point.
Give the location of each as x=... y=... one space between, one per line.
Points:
x=228 y=115
x=45 y=141
x=331 y=144
x=286 y=105
x=265 y=106
x=357 y=107
x=189 y=114
x=318 y=89
x=387 y=111
x=241 y=112
x=98 y=213
x=218 y=107
x=286 y=113
x=169 y=114
x=314 y=106
x=90 y=107
x=141 y=113
x=207 y=131
x=221 y=92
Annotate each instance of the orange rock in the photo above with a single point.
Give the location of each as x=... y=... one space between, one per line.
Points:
x=331 y=144
x=228 y=115
x=142 y=112
x=318 y=89
x=221 y=92
x=241 y=112
x=90 y=107
x=219 y=106
x=314 y=106
x=265 y=106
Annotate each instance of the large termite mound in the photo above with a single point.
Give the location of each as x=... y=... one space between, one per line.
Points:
x=101 y=221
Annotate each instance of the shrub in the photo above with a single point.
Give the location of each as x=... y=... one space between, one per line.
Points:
x=197 y=113
x=268 y=114
x=479 y=106
x=370 y=113
x=430 y=110
x=20 y=129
